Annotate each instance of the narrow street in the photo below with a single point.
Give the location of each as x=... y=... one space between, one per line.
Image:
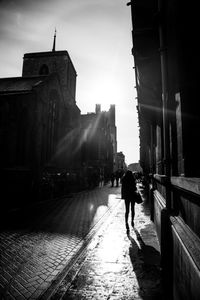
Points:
x=77 y=248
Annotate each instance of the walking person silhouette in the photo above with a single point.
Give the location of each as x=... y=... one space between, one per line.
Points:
x=112 y=179
x=128 y=189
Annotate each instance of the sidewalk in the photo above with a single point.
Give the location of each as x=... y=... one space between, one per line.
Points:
x=117 y=266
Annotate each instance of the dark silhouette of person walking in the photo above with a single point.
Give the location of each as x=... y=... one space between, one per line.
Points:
x=128 y=189
x=112 y=179
x=117 y=177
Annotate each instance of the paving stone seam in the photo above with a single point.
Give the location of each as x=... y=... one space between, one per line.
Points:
x=80 y=254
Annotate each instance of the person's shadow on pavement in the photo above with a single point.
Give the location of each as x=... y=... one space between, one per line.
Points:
x=146 y=265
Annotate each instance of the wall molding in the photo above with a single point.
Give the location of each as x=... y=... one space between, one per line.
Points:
x=187 y=183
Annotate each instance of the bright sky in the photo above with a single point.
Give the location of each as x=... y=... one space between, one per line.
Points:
x=97 y=35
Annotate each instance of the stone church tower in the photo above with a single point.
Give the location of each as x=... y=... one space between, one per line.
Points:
x=44 y=63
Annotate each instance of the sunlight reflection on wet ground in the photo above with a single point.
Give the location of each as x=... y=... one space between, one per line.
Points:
x=121 y=266
x=102 y=209
x=116 y=267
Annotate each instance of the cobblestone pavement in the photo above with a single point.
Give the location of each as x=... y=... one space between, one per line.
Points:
x=117 y=266
x=38 y=243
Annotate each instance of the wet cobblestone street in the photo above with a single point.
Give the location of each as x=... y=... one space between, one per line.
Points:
x=78 y=248
x=37 y=243
x=118 y=266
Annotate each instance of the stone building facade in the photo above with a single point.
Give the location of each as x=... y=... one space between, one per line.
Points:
x=120 y=161
x=40 y=122
x=98 y=141
x=165 y=57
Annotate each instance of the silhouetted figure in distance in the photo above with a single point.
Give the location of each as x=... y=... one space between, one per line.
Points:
x=117 y=176
x=112 y=179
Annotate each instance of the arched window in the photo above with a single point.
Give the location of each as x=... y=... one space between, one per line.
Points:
x=44 y=70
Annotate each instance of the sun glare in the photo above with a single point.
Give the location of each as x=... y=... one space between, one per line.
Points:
x=106 y=92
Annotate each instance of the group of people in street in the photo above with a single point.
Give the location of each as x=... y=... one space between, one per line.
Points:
x=116 y=177
x=126 y=179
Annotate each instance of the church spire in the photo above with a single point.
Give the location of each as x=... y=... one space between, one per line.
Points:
x=54 y=42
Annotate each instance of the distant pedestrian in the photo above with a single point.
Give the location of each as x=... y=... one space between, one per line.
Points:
x=101 y=180
x=117 y=177
x=128 y=190
x=112 y=179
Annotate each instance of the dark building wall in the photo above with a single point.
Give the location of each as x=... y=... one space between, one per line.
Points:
x=16 y=129
x=58 y=127
x=98 y=141
x=113 y=130
x=148 y=81
x=41 y=123
x=30 y=128
x=18 y=152
x=182 y=81
x=168 y=110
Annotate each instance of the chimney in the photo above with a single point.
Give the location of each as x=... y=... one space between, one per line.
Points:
x=98 y=108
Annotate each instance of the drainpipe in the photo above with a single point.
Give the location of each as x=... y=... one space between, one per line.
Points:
x=134 y=56
x=166 y=141
x=166 y=244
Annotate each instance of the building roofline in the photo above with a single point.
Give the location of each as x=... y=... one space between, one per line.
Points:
x=25 y=77
x=50 y=54
x=26 y=84
x=15 y=92
x=46 y=53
